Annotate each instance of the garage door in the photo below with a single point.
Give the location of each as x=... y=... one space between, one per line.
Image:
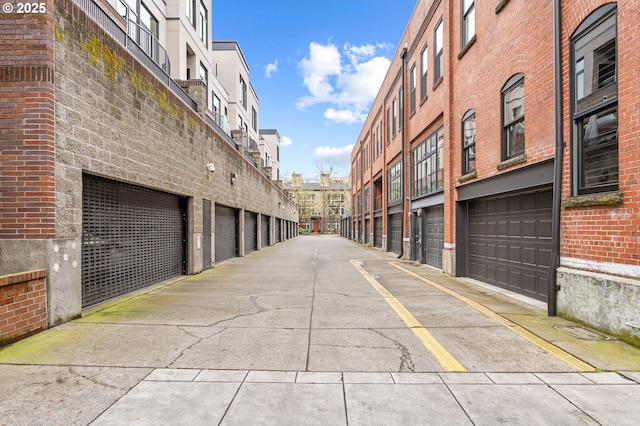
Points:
x=264 y=242
x=510 y=242
x=367 y=230
x=250 y=231
x=278 y=230
x=377 y=232
x=132 y=237
x=226 y=233
x=395 y=233
x=434 y=235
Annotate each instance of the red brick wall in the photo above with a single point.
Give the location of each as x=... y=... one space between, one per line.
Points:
x=27 y=197
x=607 y=233
x=23 y=305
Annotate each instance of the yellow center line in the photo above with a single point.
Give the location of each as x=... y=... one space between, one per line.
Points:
x=559 y=353
x=446 y=360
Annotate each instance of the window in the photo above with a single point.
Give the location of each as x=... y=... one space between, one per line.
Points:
x=394 y=177
x=148 y=21
x=424 y=64
x=401 y=115
x=412 y=90
x=595 y=102
x=204 y=76
x=394 y=106
x=427 y=161
x=367 y=199
x=388 y=124
x=513 y=117
x=254 y=119
x=438 y=60
x=216 y=104
x=468 y=21
x=242 y=95
x=204 y=24
x=191 y=11
x=469 y=142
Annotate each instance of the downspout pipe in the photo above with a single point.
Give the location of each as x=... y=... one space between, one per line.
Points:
x=558 y=162
x=403 y=56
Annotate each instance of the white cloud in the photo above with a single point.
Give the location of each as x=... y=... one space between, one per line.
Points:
x=350 y=86
x=270 y=69
x=335 y=156
x=285 y=141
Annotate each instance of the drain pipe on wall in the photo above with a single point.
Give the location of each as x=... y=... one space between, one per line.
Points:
x=558 y=162
x=403 y=56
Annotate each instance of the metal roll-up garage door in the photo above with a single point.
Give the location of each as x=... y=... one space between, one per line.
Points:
x=250 y=232
x=367 y=230
x=377 y=232
x=132 y=237
x=395 y=233
x=510 y=241
x=434 y=233
x=265 y=231
x=226 y=233
x=277 y=230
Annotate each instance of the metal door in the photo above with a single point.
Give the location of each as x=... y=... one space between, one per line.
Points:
x=417 y=252
x=377 y=231
x=250 y=232
x=265 y=231
x=395 y=233
x=277 y=230
x=226 y=233
x=367 y=230
x=433 y=239
x=132 y=237
x=206 y=234
x=509 y=241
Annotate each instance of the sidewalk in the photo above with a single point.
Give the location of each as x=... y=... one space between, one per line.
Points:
x=296 y=335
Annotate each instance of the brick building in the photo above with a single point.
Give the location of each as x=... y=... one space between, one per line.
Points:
x=500 y=147
x=116 y=168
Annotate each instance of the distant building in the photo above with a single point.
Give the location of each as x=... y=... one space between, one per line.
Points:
x=321 y=205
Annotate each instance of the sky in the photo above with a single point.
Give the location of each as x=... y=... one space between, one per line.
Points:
x=316 y=66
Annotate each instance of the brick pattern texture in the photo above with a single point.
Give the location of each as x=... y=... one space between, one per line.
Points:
x=23 y=305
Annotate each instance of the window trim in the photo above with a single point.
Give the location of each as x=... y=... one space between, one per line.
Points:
x=412 y=89
x=512 y=83
x=466 y=39
x=424 y=71
x=438 y=55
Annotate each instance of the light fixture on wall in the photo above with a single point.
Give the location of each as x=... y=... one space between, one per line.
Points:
x=234 y=177
x=211 y=167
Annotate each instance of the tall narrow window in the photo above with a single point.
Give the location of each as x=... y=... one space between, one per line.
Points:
x=595 y=102
x=388 y=125
x=412 y=90
x=468 y=21
x=394 y=118
x=191 y=11
x=204 y=76
x=401 y=112
x=513 y=117
x=242 y=92
x=204 y=24
x=438 y=60
x=254 y=119
x=424 y=66
x=469 y=142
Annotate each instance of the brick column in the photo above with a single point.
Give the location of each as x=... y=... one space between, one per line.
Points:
x=27 y=183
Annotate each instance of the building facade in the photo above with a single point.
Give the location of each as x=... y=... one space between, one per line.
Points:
x=497 y=149
x=115 y=173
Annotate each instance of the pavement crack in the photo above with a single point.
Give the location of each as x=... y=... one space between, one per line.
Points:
x=406 y=363
x=93 y=378
x=197 y=341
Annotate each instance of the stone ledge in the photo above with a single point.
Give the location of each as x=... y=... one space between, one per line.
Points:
x=606 y=199
x=468 y=177
x=22 y=277
x=522 y=158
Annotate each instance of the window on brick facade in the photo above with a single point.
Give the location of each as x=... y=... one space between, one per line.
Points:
x=595 y=102
x=394 y=118
x=468 y=21
x=424 y=66
x=412 y=90
x=388 y=125
x=438 y=52
x=469 y=142
x=427 y=165
x=394 y=179
x=401 y=112
x=513 y=117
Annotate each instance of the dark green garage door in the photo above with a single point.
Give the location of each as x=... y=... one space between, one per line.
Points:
x=510 y=241
x=132 y=237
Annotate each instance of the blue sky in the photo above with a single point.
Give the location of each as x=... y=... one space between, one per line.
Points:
x=316 y=66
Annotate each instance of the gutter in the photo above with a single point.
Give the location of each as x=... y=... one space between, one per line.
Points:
x=557 y=171
x=403 y=56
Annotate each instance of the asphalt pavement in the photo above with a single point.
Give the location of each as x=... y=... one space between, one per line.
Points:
x=319 y=330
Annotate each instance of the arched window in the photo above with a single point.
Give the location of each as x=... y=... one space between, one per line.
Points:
x=469 y=142
x=513 y=117
x=594 y=103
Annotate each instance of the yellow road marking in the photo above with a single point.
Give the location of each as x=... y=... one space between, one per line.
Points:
x=559 y=353
x=446 y=360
